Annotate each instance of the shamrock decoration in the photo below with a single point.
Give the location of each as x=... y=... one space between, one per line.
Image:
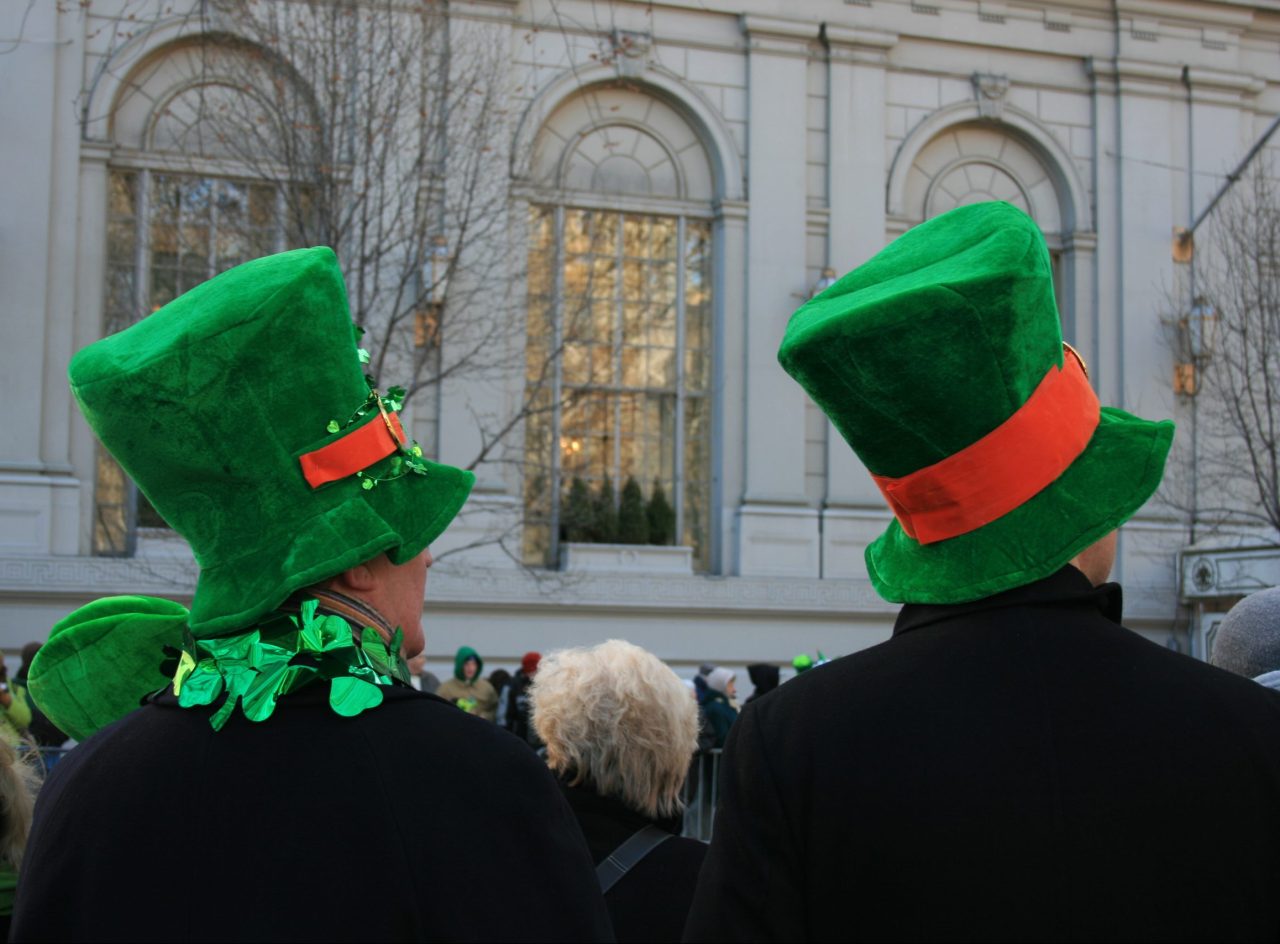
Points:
x=408 y=459
x=261 y=665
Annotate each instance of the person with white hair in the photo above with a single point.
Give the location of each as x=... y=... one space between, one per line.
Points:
x=1248 y=640
x=717 y=702
x=619 y=728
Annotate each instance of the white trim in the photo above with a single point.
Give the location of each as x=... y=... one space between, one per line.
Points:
x=115 y=71
x=1073 y=197
x=704 y=119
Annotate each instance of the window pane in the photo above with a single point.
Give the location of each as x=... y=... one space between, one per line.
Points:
x=696 y=531
x=111 y=519
x=194 y=227
x=621 y=407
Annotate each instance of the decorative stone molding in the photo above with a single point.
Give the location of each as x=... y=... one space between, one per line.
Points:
x=704 y=116
x=1210 y=574
x=1073 y=196
x=629 y=50
x=1162 y=80
x=779 y=37
x=993 y=11
x=990 y=91
x=848 y=44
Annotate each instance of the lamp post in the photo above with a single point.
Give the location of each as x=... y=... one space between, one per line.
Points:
x=426 y=328
x=825 y=281
x=1197 y=337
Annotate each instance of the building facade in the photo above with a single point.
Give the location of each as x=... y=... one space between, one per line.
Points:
x=676 y=178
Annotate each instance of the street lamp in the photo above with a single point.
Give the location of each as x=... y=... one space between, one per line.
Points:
x=1197 y=337
x=825 y=281
x=426 y=327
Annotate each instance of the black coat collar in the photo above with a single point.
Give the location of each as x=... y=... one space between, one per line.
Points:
x=1066 y=587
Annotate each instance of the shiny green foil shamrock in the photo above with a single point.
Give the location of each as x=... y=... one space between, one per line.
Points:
x=281 y=655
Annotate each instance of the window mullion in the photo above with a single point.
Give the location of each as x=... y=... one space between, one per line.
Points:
x=678 y=472
x=619 y=289
x=280 y=225
x=557 y=344
x=142 y=246
x=211 y=253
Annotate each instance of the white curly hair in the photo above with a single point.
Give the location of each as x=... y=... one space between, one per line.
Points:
x=615 y=717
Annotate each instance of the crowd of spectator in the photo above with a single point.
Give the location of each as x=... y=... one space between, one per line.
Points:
x=505 y=698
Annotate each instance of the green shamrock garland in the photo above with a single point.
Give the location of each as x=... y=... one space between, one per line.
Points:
x=281 y=655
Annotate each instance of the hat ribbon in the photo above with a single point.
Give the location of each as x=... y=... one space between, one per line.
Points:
x=1005 y=468
x=356 y=450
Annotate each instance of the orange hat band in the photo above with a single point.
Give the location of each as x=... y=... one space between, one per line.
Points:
x=1005 y=468
x=354 y=452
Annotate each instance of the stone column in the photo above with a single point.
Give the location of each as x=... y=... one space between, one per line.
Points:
x=730 y=390
x=39 y=80
x=854 y=512
x=477 y=403
x=777 y=530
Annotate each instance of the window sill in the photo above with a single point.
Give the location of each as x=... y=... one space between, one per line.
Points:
x=626 y=559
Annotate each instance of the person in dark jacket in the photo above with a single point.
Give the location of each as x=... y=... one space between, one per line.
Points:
x=517 y=715
x=1012 y=764
x=619 y=730
x=283 y=780
x=764 y=678
x=717 y=703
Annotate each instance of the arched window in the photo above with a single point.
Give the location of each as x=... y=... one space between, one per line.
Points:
x=975 y=161
x=620 y=320
x=183 y=206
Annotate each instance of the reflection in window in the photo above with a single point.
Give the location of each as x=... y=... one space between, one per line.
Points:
x=624 y=300
x=167 y=233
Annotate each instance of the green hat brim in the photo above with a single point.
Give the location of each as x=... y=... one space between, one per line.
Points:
x=400 y=518
x=1118 y=471
x=103 y=659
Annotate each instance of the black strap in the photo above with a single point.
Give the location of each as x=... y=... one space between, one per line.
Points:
x=623 y=859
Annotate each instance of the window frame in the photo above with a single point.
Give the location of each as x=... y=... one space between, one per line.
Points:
x=558 y=203
x=144 y=165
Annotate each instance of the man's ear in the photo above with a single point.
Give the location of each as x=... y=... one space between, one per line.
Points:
x=359 y=578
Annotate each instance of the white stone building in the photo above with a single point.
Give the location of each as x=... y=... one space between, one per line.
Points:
x=758 y=143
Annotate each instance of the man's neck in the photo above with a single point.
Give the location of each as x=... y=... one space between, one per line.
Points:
x=356 y=610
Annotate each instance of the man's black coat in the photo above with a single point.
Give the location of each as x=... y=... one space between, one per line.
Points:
x=389 y=826
x=1021 y=768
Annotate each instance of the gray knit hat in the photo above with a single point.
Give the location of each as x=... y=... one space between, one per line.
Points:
x=1248 y=640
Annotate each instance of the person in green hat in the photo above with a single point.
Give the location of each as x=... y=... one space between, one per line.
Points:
x=281 y=777
x=1012 y=764
x=467 y=689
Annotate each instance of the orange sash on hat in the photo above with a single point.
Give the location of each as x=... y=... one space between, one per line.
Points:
x=1005 y=468
x=355 y=451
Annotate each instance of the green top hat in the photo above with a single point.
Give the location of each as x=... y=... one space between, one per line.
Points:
x=241 y=411
x=211 y=403
x=941 y=363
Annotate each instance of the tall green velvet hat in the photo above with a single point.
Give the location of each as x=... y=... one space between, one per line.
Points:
x=941 y=362
x=242 y=412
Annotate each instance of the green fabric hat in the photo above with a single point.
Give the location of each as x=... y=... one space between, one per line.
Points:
x=103 y=659
x=209 y=405
x=925 y=350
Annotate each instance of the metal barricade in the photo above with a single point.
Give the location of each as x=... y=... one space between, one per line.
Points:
x=701 y=791
x=44 y=758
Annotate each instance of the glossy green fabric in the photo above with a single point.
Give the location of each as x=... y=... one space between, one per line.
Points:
x=930 y=346
x=103 y=659
x=209 y=402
